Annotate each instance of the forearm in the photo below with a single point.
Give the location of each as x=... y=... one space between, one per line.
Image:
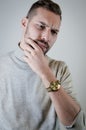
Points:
x=66 y=108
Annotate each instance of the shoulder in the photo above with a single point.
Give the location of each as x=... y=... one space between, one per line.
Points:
x=5 y=62
x=56 y=64
x=6 y=58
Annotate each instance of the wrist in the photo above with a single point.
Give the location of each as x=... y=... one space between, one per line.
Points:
x=47 y=77
x=54 y=86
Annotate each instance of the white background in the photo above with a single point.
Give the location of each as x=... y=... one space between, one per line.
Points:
x=70 y=46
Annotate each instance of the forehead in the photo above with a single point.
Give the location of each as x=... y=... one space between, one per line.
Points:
x=48 y=17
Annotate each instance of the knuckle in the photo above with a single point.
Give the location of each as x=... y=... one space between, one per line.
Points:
x=34 y=53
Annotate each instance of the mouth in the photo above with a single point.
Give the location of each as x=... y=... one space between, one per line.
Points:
x=43 y=46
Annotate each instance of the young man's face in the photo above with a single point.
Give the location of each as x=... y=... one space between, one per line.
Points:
x=43 y=28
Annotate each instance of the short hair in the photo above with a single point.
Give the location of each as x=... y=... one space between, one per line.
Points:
x=46 y=4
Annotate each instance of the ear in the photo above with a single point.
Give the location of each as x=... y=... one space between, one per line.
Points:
x=24 y=23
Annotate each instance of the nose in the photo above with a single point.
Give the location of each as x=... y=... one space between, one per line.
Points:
x=46 y=35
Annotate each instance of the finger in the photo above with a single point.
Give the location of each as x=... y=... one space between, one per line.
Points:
x=32 y=43
x=27 y=54
x=27 y=47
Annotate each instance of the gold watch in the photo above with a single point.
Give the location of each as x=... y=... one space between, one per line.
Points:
x=54 y=86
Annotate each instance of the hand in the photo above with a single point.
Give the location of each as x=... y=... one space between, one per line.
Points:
x=34 y=57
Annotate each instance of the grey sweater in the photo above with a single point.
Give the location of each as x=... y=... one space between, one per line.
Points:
x=24 y=101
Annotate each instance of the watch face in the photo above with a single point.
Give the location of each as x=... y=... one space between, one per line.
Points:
x=54 y=86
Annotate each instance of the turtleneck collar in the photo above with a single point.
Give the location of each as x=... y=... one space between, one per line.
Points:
x=19 y=54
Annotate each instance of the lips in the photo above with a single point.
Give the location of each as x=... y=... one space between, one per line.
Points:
x=43 y=46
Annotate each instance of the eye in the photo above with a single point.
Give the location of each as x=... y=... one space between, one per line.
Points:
x=54 y=32
x=40 y=26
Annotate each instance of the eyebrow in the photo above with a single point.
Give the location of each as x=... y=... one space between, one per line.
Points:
x=48 y=26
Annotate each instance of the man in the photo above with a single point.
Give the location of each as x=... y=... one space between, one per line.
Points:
x=36 y=91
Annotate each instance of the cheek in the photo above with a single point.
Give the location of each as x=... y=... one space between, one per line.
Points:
x=32 y=33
